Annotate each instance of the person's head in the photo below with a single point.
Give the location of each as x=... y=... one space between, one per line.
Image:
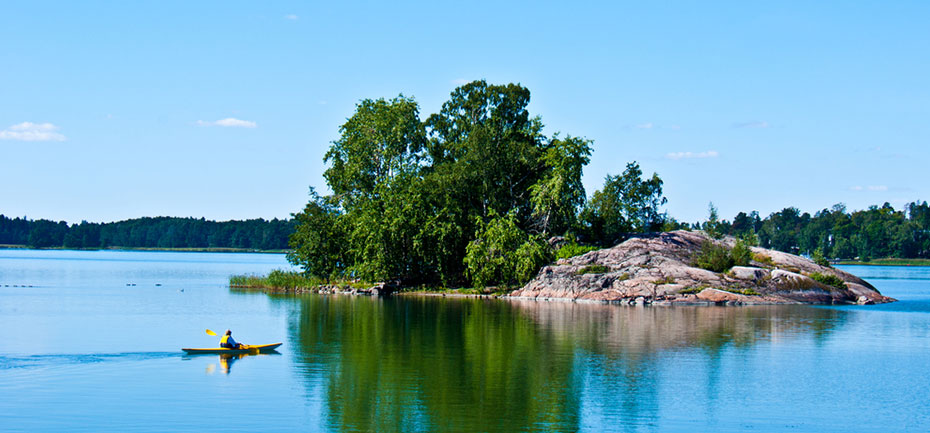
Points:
x=228 y=332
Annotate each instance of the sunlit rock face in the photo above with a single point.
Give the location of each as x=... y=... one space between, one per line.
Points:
x=659 y=268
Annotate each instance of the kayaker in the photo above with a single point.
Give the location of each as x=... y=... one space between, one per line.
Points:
x=228 y=342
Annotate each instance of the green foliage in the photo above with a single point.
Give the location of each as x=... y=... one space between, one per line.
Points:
x=713 y=225
x=879 y=231
x=714 y=257
x=665 y=280
x=503 y=254
x=692 y=290
x=746 y=291
x=828 y=279
x=468 y=193
x=764 y=259
x=572 y=250
x=559 y=194
x=818 y=257
x=593 y=269
x=317 y=243
x=276 y=279
x=626 y=204
x=741 y=253
x=149 y=233
x=719 y=258
x=890 y=262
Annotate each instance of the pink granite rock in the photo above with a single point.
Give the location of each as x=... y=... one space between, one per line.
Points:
x=659 y=269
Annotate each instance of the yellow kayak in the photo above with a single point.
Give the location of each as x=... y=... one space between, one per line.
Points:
x=264 y=348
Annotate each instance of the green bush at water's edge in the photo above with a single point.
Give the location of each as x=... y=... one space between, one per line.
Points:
x=276 y=279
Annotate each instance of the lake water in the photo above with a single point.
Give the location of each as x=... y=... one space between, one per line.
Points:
x=90 y=341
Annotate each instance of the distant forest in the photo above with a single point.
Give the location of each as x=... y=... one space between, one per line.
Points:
x=876 y=232
x=158 y=232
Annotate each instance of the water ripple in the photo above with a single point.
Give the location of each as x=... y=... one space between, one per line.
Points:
x=57 y=359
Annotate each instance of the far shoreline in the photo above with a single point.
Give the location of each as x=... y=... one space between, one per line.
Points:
x=173 y=250
x=885 y=262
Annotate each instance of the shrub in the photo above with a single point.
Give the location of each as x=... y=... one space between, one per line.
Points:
x=692 y=290
x=764 y=259
x=741 y=253
x=503 y=254
x=828 y=279
x=819 y=259
x=747 y=291
x=713 y=257
x=665 y=280
x=276 y=279
x=572 y=250
x=593 y=269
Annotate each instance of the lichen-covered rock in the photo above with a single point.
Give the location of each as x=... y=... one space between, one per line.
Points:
x=658 y=268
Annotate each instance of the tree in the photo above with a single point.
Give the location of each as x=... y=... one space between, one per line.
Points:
x=626 y=204
x=411 y=196
x=559 y=195
x=502 y=253
x=381 y=140
x=317 y=242
x=712 y=226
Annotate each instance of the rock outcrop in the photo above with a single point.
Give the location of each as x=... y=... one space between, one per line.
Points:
x=659 y=268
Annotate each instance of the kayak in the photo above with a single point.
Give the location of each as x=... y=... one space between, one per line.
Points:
x=264 y=348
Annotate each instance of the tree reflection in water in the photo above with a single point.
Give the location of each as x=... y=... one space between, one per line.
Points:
x=426 y=363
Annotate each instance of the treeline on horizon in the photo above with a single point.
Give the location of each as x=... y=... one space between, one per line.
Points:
x=876 y=232
x=148 y=232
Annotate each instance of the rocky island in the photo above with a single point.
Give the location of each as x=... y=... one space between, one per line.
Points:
x=660 y=269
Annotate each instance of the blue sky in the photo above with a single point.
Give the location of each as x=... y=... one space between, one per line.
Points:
x=115 y=110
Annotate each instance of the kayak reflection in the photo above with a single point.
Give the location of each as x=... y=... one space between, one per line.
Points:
x=228 y=359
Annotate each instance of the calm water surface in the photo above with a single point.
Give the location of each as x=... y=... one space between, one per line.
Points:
x=90 y=341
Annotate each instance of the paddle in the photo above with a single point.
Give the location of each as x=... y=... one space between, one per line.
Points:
x=252 y=350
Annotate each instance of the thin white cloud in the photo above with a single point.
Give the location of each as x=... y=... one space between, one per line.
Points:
x=754 y=124
x=28 y=131
x=460 y=82
x=692 y=155
x=229 y=122
x=656 y=126
x=874 y=188
x=291 y=17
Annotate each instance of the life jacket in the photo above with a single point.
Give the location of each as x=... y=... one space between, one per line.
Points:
x=224 y=340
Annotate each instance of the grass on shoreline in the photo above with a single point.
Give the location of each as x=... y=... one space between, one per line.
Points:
x=888 y=262
x=288 y=280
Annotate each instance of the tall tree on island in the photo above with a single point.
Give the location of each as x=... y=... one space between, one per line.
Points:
x=412 y=199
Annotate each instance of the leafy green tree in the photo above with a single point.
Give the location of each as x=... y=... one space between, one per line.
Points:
x=503 y=254
x=818 y=258
x=381 y=140
x=559 y=195
x=713 y=225
x=317 y=243
x=626 y=204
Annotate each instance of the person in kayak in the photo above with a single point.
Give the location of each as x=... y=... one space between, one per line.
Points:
x=228 y=342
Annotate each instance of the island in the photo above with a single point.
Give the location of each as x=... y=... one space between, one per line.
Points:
x=660 y=269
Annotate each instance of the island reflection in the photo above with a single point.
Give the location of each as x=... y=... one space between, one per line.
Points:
x=427 y=363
